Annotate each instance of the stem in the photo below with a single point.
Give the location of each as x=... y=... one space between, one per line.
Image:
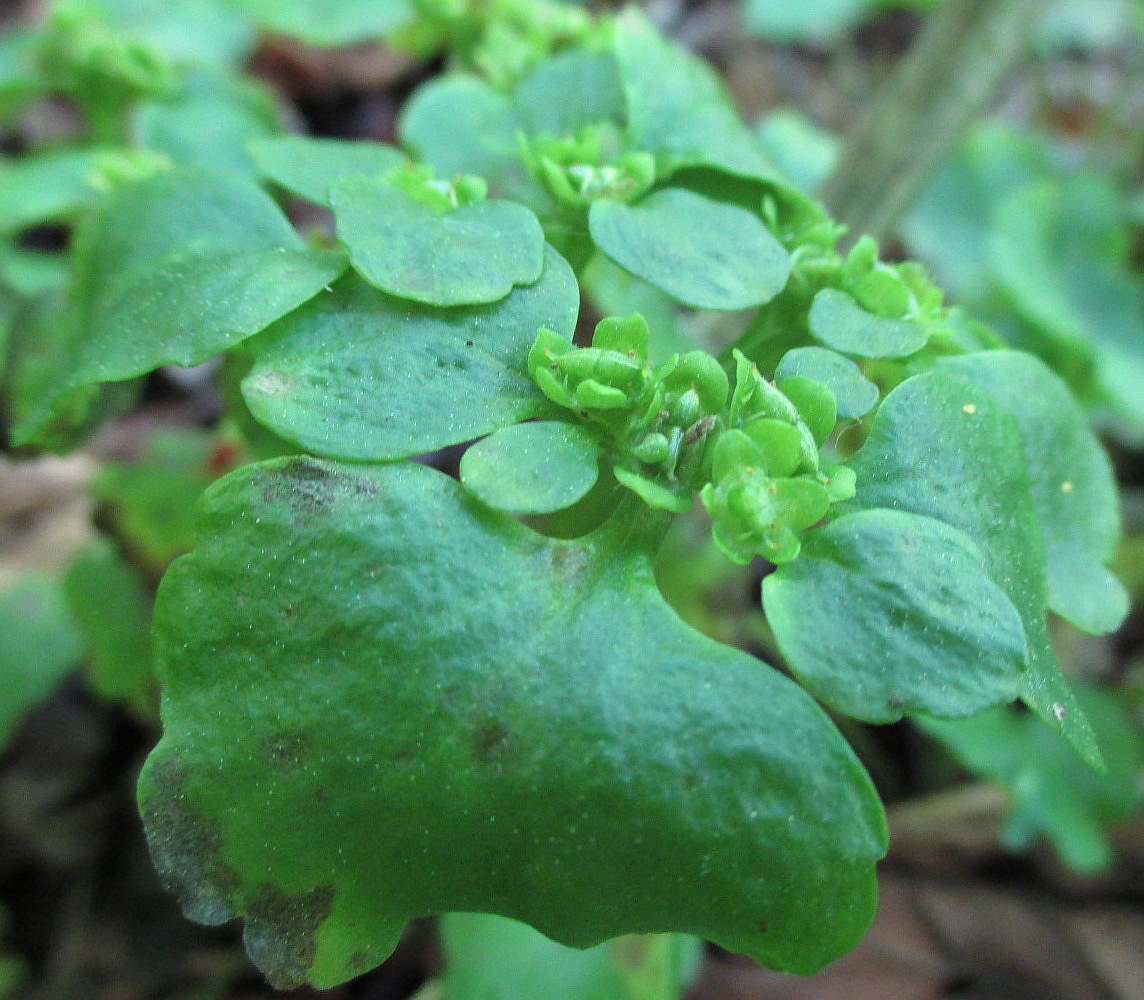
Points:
x=949 y=77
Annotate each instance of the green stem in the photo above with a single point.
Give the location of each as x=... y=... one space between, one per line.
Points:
x=950 y=76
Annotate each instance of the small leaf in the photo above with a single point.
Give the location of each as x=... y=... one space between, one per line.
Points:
x=533 y=468
x=941 y=448
x=360 y=375
x=475 y=253
x=45 y=187
x=366 y=647
x=1072 y=483
x=855 y=394
x=839 y=322
x=704 y=253
x=307 y=166
x=815 y=404
x=886 y=614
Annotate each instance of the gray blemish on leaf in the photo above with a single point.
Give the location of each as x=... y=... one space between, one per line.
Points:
x=281 y=932
x=185 y=848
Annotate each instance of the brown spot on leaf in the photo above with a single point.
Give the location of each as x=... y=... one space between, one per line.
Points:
x=285 y=751
x=490 y=742
x=281 y=932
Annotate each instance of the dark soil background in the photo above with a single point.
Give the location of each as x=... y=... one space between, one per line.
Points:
x=959 y=917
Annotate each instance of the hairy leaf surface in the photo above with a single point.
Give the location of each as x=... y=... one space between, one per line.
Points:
x=361 y=375
x=383 y=701
x=886 y=614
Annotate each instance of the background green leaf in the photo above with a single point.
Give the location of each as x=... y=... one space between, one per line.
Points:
x=307 y=166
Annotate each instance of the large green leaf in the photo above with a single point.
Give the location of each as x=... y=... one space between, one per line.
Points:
x=679 y=109
x=383 y=701
x=940 y=446
x=574 y=88
x=436 y=254
x=886 y=614
x=361 y=375
x=1072 y=483
x=180 y=267
x=704 y=253
x=307 y=166
x=493 y=958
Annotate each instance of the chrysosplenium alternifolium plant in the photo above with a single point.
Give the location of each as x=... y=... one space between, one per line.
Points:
x=385 y=694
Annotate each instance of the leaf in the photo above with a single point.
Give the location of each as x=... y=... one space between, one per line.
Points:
x=339 y=22
x=804 y=151
x=1053 y=793
x=941 y=448
x=466 y=712
x=533 y=468
x=855 y=394
x=575 y=88
x=493 y=958
x=839 y=322
x=474 y=253
x=45 y=187
x=1072 y=483
x=807 y=20
x=178 y=268
x=364 y=376
x=679 y=109
x=307 y=166
x=704 y=253
x=209 y=122
x=461 y=125
x=886 y=614
x=39 y=644
x=118 y=645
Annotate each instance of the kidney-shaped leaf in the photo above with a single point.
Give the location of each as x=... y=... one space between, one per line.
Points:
x=404 y=246
x=941 y=447
x=854 y=393
x=704 y=253
x=361 y=375
x=382 y=700
x=886 y=614
x=1072 y=483
x=180 y=267
x=534 y=468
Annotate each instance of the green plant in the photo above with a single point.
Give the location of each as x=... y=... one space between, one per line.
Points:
x=389 y=693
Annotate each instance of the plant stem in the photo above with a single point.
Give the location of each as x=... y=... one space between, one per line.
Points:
x=949 y=77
